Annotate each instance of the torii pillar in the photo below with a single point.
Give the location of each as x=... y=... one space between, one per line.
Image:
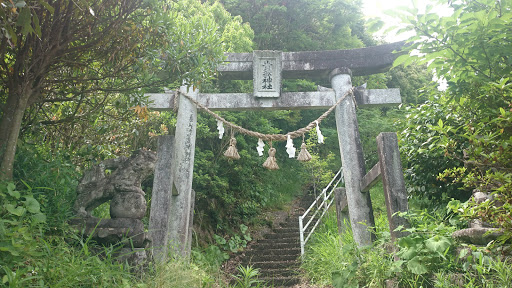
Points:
x=352 y=158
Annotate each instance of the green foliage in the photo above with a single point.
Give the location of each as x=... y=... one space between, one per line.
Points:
x=481 y=269
x=302 y=25
x=184 y=41
x=372 y=121
x=51 y=178
x=487 y=164
x=426 y=257
x=179 y=273
x=210 y=258
x=467 y=48
x=471 y=57
x=236 y=242
x=411 y=80
x=228 y=192
x=28 y=260
x=452 y=132
x=427 y=249
x=18 y=20
x=346 y=278
x=426 y=156
x=335 y=259
x=21 y=223
x=190 y=38
x=104 y=65
x=65 y=265
x=319 y=170
x=247 y=277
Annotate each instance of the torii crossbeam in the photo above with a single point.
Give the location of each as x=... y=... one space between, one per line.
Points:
x=267 y=68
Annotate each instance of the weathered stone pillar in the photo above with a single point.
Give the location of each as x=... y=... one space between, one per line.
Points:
x=342 y=215
x=161 y=199
x=393 y=181
x=359 y=203
x=182 y=171
x=188 y=248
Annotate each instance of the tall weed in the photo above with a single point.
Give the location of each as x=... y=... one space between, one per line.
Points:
x=333 y=258
x=52 y=179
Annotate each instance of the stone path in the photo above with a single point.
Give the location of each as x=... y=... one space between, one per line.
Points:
x=277 y=254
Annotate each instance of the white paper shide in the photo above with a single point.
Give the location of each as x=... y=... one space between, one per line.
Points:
x=260 y=147
x=319 y=133
x=289 y=147
x=220 y=127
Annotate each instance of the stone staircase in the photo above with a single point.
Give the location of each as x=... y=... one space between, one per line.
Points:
x=277 y=255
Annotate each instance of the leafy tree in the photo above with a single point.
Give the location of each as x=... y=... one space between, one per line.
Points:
x=470 y=50
x=302 y=25
x=63 y=44
x=64 y=60
x=411 y=80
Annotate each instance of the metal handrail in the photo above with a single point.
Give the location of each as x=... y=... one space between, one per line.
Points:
x=327 y=199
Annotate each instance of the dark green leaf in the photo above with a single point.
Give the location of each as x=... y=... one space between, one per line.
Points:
x=47 y=6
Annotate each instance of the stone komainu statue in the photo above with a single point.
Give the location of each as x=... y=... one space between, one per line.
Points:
x=118 y=181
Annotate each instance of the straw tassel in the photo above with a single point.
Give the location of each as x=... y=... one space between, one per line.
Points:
x=232 y=152
x=304 y=155
x=271 y=162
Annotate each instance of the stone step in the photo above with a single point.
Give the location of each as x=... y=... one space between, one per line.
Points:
x=275 y=281
x=275 y=265
x=277 y=255
x=272 y=245
x=294 y=251
x=294 y=224
x=269 y=273
x=294 y=235
x=280 y=281
x=287 y=230
x=279 y=241
x=268 y=258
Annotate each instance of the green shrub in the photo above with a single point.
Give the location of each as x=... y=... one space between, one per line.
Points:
x=247 y=277
x=21 y=245
x=51 y=178
x=332 y=258
x=427 y=249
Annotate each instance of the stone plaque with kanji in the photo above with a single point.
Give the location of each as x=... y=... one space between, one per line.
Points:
x=267 y=73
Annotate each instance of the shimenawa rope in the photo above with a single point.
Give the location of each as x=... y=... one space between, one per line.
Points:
x=266 y=137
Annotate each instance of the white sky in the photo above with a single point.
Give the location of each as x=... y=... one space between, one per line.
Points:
x=375 y=8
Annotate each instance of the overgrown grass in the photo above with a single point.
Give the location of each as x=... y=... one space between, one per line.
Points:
x=286 y=185
x=38 y=249
x=332 y=256
x=81 y=263
x=34 y=255
x=427 y=257
x=77 y=262
x=179 y=273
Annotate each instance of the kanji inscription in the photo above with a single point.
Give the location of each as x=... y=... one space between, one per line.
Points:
x=267 y=73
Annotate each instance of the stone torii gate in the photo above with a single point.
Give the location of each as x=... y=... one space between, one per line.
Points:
x=173 y=198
